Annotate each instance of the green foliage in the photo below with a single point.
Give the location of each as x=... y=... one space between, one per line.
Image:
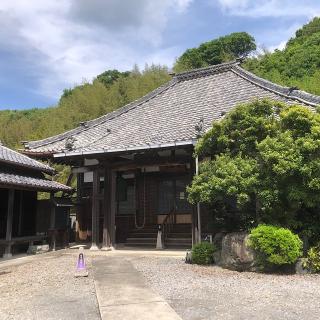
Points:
x=225 y=177
x=313 y=259
x=241 y=129
x=110 y=76
x=275 y=246
x=108 y=92
x=235 y=45
x=297 y=65
x=265 y=159
x=202 y=253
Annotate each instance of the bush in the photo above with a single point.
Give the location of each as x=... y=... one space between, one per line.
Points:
x=275 y=246
x=202 y=253
x=313 y=261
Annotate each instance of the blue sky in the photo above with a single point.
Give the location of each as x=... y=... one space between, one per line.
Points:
x=46 y=46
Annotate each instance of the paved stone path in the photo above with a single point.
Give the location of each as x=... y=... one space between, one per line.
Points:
x=122 y=292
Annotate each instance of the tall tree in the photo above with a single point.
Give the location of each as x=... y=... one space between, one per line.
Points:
x=235 y=45
x=265 y=163
x=297 y=65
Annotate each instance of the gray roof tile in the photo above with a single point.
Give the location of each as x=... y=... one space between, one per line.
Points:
x=168 y=115
x=19 y=181
x=15 y=158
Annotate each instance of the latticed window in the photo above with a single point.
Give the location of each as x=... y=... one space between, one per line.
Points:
x=172 y=195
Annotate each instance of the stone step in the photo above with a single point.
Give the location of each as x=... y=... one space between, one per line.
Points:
x=146 y=230
x=142 y=245
x=142 y=235
x=180 y=235
x=142 y=240
x=182 y=230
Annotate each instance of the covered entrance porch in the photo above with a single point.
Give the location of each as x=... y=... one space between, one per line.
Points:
x=127 y=199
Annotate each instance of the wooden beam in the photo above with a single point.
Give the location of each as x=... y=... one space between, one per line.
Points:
x=129 y=164
x=8 y=253
x=81 y=170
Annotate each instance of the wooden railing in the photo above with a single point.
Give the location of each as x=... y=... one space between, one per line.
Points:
x=167 y=225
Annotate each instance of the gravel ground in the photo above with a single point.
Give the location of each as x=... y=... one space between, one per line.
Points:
x=197 y=292
x=47 y=289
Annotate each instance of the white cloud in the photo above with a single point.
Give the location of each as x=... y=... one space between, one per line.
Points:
x=271 y=8
x=64 y=41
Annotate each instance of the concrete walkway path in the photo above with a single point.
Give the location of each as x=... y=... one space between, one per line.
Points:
x=122 y=292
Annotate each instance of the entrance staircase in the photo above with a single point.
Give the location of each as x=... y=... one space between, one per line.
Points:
x=178 y=238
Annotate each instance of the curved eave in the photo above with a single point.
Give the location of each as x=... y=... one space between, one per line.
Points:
x=289 y=93
x=37 y=154
x=14 y=181
x=190 y=142
x=21 y=165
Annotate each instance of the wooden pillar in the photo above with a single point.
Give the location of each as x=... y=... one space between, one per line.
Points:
x=194 y=209
x=106 y=242
x=109 y=210
x=95 y=211
x=198 y=238
x=8 y=253
x=20 y=214
x=113 y=208
x=53 y=222
x=78 y=208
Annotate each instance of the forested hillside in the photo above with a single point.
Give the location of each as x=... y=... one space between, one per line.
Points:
x=297 y=65
x=107 y=92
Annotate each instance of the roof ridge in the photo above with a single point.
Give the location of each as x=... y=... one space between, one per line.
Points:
x=94 y=122
x=287 y=92
x=200 y=72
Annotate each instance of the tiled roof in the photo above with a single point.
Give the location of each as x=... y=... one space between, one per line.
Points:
x=17 y=159
x=168 y=115
x=19 y=181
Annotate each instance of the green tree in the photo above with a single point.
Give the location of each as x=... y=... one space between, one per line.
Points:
x=230 y=47
x=297 y=65
x=108 y=92
x=110 y=76
x=264 y=158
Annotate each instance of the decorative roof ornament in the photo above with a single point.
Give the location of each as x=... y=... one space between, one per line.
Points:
x=69 y=145
x=199 y=128
x=291 y=89
x=83 y=124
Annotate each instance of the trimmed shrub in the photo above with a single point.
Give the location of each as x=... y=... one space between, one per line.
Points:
x=274 y=246
x=202 y=253
x=313 y=261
